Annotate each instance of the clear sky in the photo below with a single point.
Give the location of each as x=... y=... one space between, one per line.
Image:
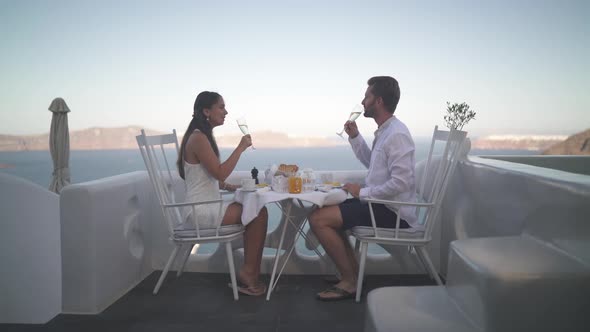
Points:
x=295 y=66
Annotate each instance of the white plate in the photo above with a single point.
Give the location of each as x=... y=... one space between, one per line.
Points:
x=328 y=188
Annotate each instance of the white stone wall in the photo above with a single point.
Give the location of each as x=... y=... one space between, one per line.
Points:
x=30 y=258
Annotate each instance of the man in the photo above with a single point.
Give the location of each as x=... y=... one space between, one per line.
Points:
x=390 y=177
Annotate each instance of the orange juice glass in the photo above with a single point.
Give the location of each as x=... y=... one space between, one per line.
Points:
x=295 y=184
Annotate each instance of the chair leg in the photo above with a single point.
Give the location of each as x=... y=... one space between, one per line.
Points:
x=232 y=269
x=272 y=282
x=361 y=274
x=356 y=247
x=429 y=266
x=166 y=268
x=184 y=259
x=420 y=258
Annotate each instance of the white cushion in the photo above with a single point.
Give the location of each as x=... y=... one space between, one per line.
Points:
x=423 y=308
x=209 y=232
x=404 y=233
x=518 y=283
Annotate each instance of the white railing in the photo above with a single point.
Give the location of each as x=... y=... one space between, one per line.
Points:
x=490 y=198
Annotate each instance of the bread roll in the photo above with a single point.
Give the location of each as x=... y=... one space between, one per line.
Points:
x=288 y=168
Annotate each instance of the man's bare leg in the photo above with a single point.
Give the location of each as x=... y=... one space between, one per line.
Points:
x=350 y=252
x=326 y=223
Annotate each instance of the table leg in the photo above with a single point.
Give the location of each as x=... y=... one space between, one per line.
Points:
x=272 y=283
x=299 y=228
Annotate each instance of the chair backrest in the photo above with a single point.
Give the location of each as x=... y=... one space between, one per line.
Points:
x=156 y=152
x=438 y=171
x=437 y=136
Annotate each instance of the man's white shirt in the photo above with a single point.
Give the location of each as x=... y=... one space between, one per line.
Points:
x=391 y=167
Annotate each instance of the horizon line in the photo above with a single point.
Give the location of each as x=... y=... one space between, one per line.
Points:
x=179 y=134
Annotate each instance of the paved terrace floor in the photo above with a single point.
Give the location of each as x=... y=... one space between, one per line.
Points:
x=204 y=302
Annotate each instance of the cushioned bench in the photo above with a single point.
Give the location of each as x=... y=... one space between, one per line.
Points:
x=425 y=309
x=518 y=284
x=536 y=281
x=494 y=284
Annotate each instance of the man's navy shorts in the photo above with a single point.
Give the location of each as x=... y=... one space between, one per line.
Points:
x=356 y=213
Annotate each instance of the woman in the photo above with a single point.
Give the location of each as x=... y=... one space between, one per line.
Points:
x=199 y=165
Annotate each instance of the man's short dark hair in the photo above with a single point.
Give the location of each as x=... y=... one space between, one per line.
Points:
x=387 y=88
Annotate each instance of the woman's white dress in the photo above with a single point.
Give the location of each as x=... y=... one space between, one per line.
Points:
x=201 y=186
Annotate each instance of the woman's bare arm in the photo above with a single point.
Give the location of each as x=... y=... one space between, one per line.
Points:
x=198 y=146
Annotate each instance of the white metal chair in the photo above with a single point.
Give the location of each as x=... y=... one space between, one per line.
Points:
x=153 y=150
x=437 y=174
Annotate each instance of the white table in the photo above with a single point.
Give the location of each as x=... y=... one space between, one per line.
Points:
x=253 y=202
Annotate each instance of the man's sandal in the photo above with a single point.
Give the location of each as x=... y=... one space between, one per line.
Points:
x=255 y=290
x=342 y=294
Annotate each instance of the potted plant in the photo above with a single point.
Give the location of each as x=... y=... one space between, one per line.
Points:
x=458 y=115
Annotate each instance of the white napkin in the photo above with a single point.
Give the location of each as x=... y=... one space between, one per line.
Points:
x=263 y=189
x=335 y=196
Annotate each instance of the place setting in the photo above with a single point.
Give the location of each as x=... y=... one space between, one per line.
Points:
x=248 y=185
x=327 y=183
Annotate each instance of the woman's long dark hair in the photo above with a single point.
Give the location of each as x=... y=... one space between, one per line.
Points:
x=205 y=99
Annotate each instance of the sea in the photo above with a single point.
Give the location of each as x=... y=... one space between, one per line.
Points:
x=88 y=165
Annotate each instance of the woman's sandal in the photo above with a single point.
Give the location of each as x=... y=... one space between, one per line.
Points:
x=342 y=294
x=255 y=290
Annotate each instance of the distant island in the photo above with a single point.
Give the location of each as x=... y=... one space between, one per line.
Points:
x=86 y=139
x=122 y=138
x=577 y=144
x=516 y=142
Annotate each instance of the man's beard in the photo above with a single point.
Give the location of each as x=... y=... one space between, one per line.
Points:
x=369 y=111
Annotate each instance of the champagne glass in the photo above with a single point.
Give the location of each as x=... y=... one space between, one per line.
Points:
x=244 y=128
x=357 y=110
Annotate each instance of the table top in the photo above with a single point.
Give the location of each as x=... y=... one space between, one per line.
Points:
x=254 y=201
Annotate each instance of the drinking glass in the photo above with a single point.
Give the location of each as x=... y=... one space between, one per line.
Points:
x=357 y=110
x=295 y=184
x=327 y=178
x=244 y=128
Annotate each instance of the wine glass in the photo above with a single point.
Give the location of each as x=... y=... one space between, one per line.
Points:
x=244 y=128
x=357 y=110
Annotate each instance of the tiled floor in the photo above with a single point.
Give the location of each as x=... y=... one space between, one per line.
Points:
x=204 y=302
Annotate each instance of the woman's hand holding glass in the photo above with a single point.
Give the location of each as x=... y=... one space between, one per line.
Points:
x=244 y=128
x=245 y=142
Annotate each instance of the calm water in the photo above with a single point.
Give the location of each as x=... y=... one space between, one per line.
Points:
x=37 y=166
